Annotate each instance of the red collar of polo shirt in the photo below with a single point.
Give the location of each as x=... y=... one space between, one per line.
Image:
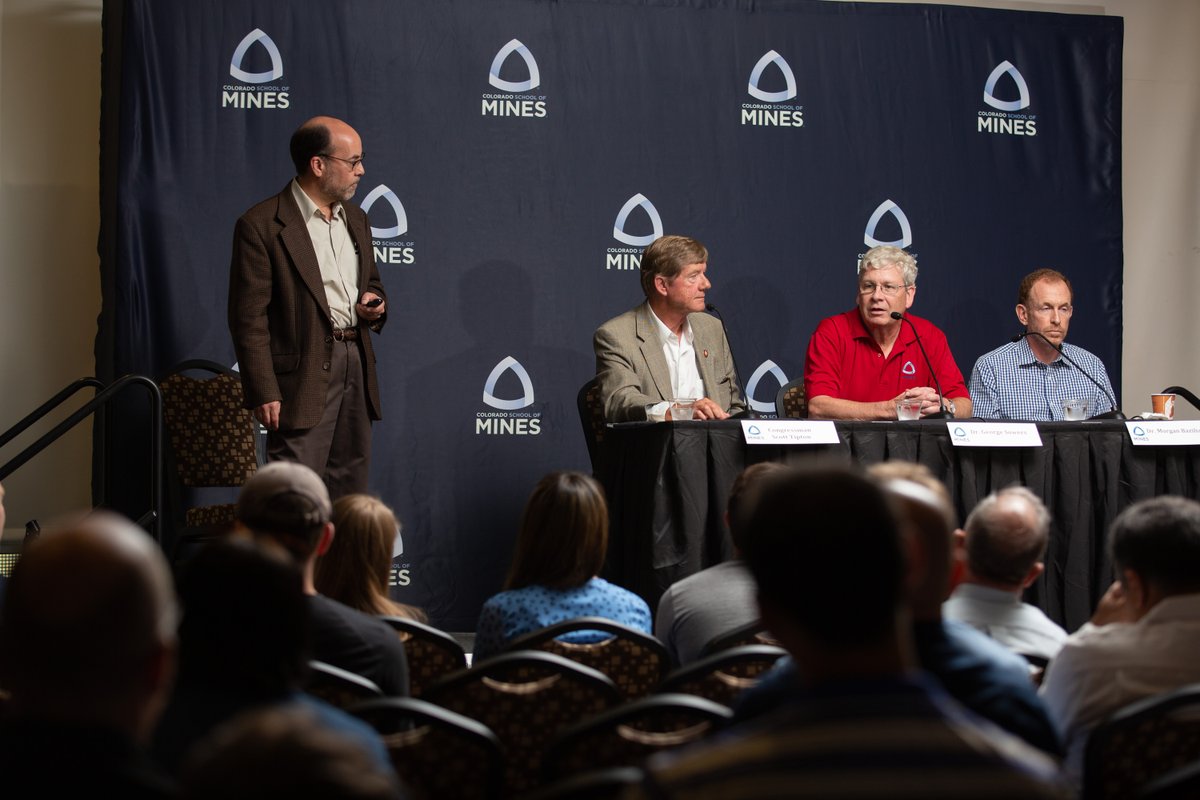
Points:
x=858 y=330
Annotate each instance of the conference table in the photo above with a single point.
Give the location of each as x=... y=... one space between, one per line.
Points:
x=668 y=484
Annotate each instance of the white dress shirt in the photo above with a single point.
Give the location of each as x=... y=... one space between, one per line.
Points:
x=1101 y=669
x=681 y=362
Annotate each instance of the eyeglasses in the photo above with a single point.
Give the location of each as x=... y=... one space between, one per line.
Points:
x=1047 y=310
x=888 y=289
x=353 y=163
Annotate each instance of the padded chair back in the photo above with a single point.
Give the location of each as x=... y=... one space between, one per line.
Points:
x=1141 y=742
x=526 y=698
x=753 y=633
x=591 y=416
x=432 y=654
x=790 y=402
x=722 y=676
x=212 y=436
x=601 y=784
x=339 y=687
x=631 y=733
x=635 y=661
x=436 y=752
x=1178 y=784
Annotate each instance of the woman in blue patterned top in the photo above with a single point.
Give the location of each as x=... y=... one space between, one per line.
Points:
x=559 y=550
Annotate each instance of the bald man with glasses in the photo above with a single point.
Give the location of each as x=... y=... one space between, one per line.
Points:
x=862 y=362
x=304 y=295
x=1030 y=379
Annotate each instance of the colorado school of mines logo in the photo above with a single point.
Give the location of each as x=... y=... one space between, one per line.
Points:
x=1007 y=116
x=629 y=255
x=253 y=90
x=768 y=367
x=511 y=416
x=773 y=108
x=389 y=242
x=888 y=208
x=518 y=99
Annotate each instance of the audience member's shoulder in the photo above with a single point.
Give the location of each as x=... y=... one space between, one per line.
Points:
x=985 y=647
x=601 y=585
x=328 y=608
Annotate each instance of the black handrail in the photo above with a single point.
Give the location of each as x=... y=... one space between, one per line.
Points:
x=1187 y=395
x=102 y=398
x=46 y=407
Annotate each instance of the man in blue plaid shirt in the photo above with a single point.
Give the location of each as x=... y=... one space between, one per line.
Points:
x=1029 y=379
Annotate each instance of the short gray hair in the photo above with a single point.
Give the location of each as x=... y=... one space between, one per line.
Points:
x=1003 y=543
x=885 y=256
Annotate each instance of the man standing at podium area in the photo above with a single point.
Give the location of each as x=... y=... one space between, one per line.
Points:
x=862 y=362
x=304 y=292
x=667 y=347
x=1029 y=379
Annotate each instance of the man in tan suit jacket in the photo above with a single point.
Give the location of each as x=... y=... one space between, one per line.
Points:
x=636 y=380
x=303 y=293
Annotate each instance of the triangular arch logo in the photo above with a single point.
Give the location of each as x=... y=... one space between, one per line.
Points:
x=256 y=36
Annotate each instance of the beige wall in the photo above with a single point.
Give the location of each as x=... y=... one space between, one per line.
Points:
x=49 y=221
x=49 y=214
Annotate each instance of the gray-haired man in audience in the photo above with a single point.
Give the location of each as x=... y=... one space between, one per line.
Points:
x=1004 y=544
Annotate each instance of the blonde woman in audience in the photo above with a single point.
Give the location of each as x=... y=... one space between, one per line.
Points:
x=355 y=569
x=560 y=547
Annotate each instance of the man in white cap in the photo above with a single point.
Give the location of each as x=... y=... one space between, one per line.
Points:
x=288 y=504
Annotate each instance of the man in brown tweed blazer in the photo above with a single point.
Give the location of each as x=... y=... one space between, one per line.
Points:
x=303 y=293
x=632 y=350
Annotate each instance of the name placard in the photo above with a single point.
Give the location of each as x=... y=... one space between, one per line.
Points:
x=789 y=431
x=1155 y=433
x=994 y=434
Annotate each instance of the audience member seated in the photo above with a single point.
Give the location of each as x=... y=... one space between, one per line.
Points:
x=87 y=650
x=243 y=644
x=356 y=568
x=1145 y=636
x=694 y=611
x=560 y=548
x=988 y=679
x=861 y=720
x=287 y=504
x=279 y=753
x=1004 y=544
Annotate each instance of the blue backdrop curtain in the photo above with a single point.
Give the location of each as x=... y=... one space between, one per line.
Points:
x=521 y=152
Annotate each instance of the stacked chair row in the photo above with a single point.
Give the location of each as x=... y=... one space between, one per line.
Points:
x=547 y=713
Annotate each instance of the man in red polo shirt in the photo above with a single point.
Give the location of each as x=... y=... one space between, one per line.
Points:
x=862 y=362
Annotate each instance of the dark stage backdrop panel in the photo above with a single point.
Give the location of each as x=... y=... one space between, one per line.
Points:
x=521 y=153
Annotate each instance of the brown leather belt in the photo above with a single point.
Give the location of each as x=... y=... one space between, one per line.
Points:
x=345 y=334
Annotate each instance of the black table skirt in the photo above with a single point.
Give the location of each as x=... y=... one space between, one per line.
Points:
x=668 y=485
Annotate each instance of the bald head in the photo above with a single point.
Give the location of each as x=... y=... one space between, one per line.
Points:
x=1006 y=538
x=89 y=624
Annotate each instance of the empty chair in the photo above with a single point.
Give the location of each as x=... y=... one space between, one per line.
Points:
x=436 y=752
x=723 y=676
x=635 y=661
x=790 y=402
x=432 y=654
x=212 y=437
x=337 y=686
x=526 y=698
x=754 y=633
x=1142 y=741
x=628 y=734
x=590 y=405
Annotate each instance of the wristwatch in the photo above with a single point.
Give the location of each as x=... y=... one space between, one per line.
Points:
x=950 y=405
